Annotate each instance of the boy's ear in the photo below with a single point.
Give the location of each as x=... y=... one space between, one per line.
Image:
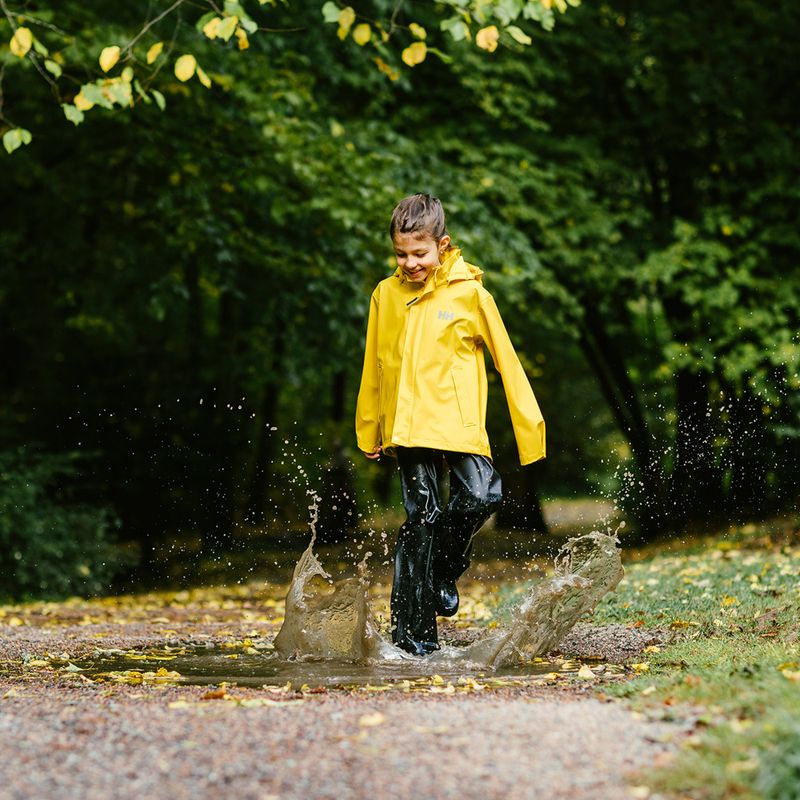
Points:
x=444 y=242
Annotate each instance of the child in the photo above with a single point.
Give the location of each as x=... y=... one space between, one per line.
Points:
x=423 y=397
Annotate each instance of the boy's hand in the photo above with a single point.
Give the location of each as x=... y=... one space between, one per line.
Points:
x=375 y=454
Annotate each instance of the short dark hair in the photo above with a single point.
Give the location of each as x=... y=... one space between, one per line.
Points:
x=419 y=213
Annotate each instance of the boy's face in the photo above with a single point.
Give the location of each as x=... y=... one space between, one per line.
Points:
x=418 y=254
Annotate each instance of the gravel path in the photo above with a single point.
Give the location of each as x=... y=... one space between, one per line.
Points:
x=66 y=736
x=63 y=735
x=97 y=742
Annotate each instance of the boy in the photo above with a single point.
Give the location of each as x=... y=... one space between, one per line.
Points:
x=423 y=396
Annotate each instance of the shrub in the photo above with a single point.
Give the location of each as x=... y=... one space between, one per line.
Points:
x=50 y=544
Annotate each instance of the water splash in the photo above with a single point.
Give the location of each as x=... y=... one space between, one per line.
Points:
x=333 y=621
x=327 y=620
x=586 y=568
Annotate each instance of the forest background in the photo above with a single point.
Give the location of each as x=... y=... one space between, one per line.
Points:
x=186 y=271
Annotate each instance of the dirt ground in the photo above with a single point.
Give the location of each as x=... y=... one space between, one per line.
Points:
x=68 y=735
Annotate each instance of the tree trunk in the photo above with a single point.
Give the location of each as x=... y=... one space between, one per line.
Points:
x=696 y=479
x=747 y=449
x=522 y=508
x=256 y=506
x=338 y=513
x=650 y=505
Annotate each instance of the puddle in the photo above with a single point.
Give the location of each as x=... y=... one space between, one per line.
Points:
x=206 y=666
x=333 y=621
x=330 y=636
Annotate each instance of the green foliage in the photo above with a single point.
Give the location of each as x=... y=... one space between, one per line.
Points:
x=732 y=604
x=205 y=287
x=50 y=544
x=779 y=774
x=111 y=57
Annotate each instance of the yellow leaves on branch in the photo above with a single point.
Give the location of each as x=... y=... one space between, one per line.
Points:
x=227 y=27
x=185 y=67
x=21 y=42
x=347 y=16
x=387 y=70
x=487 y=38
x=561 y=5
x=223 y=28
x=211 y=28
x=203 y=78
x=417 y=31
x=415 y=54
x=241 y=38
x=109 y=57
x=154 y=52
x=362 y=34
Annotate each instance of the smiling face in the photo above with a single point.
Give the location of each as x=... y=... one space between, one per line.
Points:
x=418 y=254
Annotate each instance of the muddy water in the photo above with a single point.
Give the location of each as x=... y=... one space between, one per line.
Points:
x=337 y=624
x=206 y=666
x=330 y=635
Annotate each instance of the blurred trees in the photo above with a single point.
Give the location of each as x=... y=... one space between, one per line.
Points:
x=186 y=291
x=648 y=170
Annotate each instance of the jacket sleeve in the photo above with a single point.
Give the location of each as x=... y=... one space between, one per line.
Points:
x=526 y=418
x=368 y=433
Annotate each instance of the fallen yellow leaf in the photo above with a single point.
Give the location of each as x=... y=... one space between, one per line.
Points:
x=371 y=720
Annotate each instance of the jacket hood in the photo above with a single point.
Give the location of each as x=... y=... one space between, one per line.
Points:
x=452 y=268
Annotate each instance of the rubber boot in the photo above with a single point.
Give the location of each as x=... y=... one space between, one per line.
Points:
x=475 y=494
x=413 y=601
x=413 y=596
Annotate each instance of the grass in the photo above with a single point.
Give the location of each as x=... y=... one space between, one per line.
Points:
x=733 y=603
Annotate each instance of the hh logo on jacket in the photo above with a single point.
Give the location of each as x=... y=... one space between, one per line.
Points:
x=448 y=315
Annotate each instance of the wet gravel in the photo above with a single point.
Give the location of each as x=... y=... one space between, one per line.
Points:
x=63 y=735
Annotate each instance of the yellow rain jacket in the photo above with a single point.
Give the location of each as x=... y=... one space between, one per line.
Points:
x=424 y=378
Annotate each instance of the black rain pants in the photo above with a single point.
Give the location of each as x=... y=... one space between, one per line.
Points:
x=434 y=544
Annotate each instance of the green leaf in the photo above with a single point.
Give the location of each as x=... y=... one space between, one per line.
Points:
x=141 y=92
x=245 y=20
x=457 y=28
x=74 y=115
x=52 y=67
x=201 y=23
x=121 y=93
x=93 y=93
x=15 y=138
x=159 y=98
x=40 y=48
x=234 y=8
x=443 y=56
x=330 y=12
x=227 y=27
x=519 y=35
